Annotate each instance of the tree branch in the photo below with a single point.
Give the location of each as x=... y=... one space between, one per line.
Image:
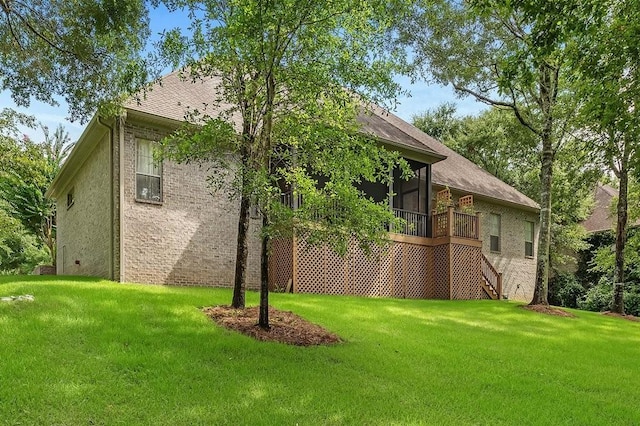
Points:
x=494 y=102
x=42 y=37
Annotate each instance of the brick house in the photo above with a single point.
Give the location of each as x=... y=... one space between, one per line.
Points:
x=123 y=217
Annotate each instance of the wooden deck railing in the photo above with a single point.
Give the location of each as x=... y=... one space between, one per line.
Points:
x=451 y=223
x=415 y=223
x=491 y=277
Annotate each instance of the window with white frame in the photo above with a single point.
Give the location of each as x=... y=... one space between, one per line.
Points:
x=148 y=172
x=494 y=232
x=529 y=229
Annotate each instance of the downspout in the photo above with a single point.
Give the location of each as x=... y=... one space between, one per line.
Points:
x=111 y=202
x=121 y=120
x=428 y=201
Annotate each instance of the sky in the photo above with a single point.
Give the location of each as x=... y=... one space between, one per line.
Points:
x=422 y=96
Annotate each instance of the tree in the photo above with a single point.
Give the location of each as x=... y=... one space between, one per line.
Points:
x=605 y=257
x=497 y=142
x=19 y=250
x=605 y=56
x=86 y=51
x=26 y=171
x=494 y=140
x=440 y=122
x=56 y=147
x=293 y=75
x=509 y=55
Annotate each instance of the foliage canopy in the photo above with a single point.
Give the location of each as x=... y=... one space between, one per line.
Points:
x=84 y=51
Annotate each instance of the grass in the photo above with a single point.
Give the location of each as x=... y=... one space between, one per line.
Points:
x=94 y=352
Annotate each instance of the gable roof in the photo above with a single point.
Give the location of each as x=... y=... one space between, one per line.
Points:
x=173 y=96
x=170 y=99
x=601 y=217
x=457 y=172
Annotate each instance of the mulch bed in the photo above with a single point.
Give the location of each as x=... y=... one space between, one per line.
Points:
x=614 y=314
x=548 y=310
x=286 y=327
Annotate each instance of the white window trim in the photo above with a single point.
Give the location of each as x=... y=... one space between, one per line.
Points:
x=136 y=173
x=499 y=232
x=533 y=240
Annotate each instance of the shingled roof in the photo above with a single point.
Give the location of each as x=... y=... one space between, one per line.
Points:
x=601 y=217
x=174 y=96
x=456 y=172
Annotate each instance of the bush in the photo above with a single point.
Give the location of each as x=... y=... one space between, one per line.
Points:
x=632 y=299
x=19 y=250
x=600 y=296
x=565 y=290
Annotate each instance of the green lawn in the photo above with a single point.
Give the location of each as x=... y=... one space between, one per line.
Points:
x=90 y=352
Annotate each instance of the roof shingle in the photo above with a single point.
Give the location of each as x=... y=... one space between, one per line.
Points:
x=174 y=96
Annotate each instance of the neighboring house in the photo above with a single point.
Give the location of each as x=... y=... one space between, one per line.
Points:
x=124 y=217
x=602 y=217
x=601 y=220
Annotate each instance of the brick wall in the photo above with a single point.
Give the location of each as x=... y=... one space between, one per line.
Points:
x=518 y=271
x=188 y=239
x=84 y=229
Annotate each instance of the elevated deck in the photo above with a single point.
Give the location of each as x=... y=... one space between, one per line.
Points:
x=447 y=266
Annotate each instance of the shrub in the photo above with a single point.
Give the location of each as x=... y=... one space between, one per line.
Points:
x=598 y=298
x=565 y=290
x=19 y=250
x=632 y=299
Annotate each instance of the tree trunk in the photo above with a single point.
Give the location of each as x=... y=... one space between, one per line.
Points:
x=242 y=250
x=263 y=321
x=50 y=241
x=541 y=289
x=242 y=246
x=621 y=237
x=548 y=86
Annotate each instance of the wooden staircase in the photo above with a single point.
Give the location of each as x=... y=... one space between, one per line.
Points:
x=491 y=281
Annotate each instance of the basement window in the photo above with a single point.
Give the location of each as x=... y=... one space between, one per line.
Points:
x=148 y=173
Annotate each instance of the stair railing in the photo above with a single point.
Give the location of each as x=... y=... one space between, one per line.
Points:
x=492 y=277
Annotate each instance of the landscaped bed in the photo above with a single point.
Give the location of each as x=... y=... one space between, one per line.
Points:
x=93 y=352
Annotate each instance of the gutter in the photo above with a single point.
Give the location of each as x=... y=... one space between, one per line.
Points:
x=499 y=201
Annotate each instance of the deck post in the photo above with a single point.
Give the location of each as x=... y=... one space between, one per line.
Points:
x=499 y=285
x=450 y=221
x=450 y=272
x=428 y=201
x=478 y=228
x=294 y=250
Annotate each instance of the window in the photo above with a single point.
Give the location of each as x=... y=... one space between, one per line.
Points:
x=494 y=232
x=70 y=198
x=529 y=228
x=412 y=194
x=148 y=173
